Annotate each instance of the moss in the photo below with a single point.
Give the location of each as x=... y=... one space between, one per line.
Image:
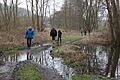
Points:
x=28 y=72
x=57 y=52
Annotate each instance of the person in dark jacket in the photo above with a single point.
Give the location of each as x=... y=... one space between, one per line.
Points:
x=53 y=33
x=59 y=36
x=29 y=36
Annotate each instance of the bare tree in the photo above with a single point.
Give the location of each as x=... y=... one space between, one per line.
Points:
x=37 y=15
x=65 y=13
x=32 y=9
x=43 y=9
x=27 y=9
x=114 y=19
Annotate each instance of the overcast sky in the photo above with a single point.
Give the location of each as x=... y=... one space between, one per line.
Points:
x=22 y=4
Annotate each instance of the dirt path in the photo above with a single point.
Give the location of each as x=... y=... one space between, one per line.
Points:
x=8 y=70
x=94 y=38
x=47 y=74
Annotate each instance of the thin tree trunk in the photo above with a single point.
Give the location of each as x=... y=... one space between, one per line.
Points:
x=16 y=12
x=38 y=27
x=27 y=10
x=65 y=12
x=32 y=9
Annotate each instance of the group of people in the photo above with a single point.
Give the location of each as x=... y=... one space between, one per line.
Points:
x=29 y=35
x=54 y=33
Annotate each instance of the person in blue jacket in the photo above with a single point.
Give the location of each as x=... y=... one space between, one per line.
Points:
x=29 y=34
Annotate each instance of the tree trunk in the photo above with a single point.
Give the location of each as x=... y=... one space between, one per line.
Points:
x=65 y=13
x=38 y=27
x=115 y=20
x=27 y=10
x=112 y=38
x=33 y=22
x=114 y=27
x=115 y=61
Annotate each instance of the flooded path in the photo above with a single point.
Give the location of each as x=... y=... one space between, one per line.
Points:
x=99 y=57
x=43 y=58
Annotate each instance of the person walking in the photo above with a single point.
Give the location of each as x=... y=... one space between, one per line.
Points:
x=29 y=36
x=59 y=37
x=53 y=34
x=85 y=29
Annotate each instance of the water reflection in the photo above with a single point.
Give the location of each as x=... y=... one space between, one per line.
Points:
x=102 y=56
x=97 y=58
x=44 y=58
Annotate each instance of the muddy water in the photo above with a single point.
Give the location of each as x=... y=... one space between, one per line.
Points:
x=99 y=57
x=44 y=58
x=102 y=54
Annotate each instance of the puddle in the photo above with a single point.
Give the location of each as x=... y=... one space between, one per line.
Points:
x=44 y=58
x=101 y=56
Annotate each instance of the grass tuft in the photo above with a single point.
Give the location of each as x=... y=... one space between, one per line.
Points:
x=28 y=72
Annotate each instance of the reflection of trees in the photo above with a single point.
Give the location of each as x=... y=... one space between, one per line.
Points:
x=91 y=63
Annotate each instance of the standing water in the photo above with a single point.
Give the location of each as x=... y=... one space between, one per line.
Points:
x=44 y=58
x=101 y=54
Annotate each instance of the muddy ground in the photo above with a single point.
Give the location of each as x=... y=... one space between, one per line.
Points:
x=95 y=38
x=8 y=71
x=72 y=55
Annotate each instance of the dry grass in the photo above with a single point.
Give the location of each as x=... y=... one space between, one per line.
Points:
x=72 y=55
x=95 y=38
x=16 y=38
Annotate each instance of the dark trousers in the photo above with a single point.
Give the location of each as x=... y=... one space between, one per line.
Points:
x=53 y=38
x=59 y=40
x=29 y=42
x=85 y=33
